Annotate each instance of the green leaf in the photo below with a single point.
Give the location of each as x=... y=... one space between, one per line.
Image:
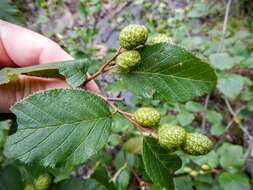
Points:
x=7 y=76
x=133 y=145
x=217 y=129
x=59 y=127
x=10 y=13
x=122 y=157
x=159 y=164
x=123 y=179
x=169 y=119
x=171 y=73
x=185 y=118
x=79 y=184
x=101 y=176
x=231 y=156
x=194 y=106
x=194 y=43
x=114 y=139
x=4 y=128
x=221 y=61
x=214 y=117
x=183 y=183
x=235 y=181
x=230 y=85
x=156 y=187
x=210 y=159
x=74 y=71
x=10 y=179
x=199 y=10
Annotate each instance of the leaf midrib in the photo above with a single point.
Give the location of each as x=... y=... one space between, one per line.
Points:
x=150 y=147
x=61 y=125
x=44 y=140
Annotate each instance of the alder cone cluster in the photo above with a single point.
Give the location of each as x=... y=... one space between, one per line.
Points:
x=173 y=137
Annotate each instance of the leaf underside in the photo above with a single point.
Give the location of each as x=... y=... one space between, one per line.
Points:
x=171 y=73
x=73 y=71
x=159 y=164
x=59 y=127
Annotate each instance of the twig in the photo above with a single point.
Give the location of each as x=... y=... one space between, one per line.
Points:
x=229 y=125
x=224 y=29
x=109 y=68
x=115 y=99
x=249 y=149
x=244 y=72
x=205 y=111
x=171 y=5
x=243 y=128
x=219 y=50
x=230 y=109
x=234 y=115
x=116 y=175
x=129 y=117
x=104 y=68
x=142 y=183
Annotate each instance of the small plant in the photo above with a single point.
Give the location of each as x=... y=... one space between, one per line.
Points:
x=66 y=127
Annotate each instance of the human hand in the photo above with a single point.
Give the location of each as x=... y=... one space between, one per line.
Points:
x=20 y=47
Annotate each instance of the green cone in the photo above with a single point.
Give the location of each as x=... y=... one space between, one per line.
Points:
x=197 y=144
x=171 y=136
x=132 y=36
x=127 y=60
x=43 y=182
x=29 y=187
x=147 y=117
x=159 y=38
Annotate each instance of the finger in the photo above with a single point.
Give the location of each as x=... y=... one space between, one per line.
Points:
x=5 y=61
x=24 y=86
x=22 y=47
x=92 y=85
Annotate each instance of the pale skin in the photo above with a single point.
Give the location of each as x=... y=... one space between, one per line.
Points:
x=20 y=47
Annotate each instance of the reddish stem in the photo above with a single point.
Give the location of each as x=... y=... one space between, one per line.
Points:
x=104 y=68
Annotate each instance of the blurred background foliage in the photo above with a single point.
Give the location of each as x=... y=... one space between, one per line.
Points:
x=89 y=28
